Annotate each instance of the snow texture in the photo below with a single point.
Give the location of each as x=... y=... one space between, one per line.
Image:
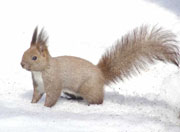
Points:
x=148 y=102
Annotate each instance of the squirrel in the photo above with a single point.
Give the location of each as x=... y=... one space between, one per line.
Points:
x=54 y=75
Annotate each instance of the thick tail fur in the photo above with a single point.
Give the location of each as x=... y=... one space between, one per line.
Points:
x=140 y=47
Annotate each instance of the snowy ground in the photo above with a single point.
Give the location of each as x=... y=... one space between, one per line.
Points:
x=149 y=102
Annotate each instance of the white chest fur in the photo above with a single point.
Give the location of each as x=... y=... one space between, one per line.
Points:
x=39 y=81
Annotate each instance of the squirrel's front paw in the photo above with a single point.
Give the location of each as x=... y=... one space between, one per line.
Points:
x=49 y=104
x=36 y=97
x=34 y=101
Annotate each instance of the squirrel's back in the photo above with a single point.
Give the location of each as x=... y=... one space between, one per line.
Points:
x=75 y=64
x=73 y=71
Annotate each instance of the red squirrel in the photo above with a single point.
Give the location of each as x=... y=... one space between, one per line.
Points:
x=52 y=75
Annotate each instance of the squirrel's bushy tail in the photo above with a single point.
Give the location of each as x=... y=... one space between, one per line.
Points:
x=137 y=49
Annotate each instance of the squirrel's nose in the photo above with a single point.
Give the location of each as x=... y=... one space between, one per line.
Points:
x=22 y=64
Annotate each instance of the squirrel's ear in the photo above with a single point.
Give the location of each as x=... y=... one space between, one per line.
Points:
x=34 y=37
x=42 y=48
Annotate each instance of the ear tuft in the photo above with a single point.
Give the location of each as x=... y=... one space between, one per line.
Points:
x=34 y=37
x=42 y=37
x=42 y=41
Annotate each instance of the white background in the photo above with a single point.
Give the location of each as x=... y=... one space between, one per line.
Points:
x=148 y=102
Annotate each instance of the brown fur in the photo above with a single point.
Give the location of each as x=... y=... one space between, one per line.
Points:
x=52 y=75
x=136 y=50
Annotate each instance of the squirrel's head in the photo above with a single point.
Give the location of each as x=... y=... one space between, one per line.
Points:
x=36 y=58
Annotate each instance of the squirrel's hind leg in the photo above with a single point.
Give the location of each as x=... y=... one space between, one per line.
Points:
x=93 y=92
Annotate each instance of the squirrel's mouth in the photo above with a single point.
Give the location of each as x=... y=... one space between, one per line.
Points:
x=25 y=66
x=28 y=69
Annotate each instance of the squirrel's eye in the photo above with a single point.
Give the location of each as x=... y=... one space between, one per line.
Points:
x=34 y=58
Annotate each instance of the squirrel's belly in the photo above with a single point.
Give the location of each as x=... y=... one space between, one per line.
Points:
x=38 y=79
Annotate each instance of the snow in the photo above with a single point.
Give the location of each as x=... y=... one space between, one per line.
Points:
x=148 y=102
